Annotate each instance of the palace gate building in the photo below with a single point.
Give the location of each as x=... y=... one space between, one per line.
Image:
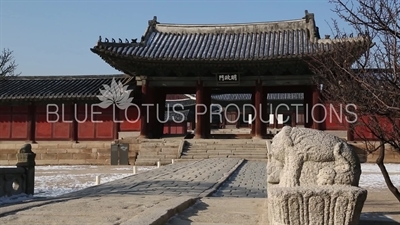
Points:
x=205 y=60
x=261 y=64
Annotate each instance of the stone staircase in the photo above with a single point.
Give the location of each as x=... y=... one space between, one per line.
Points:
x=249 y=149
x=153 y=150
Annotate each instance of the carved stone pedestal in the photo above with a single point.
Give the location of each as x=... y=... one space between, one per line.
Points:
x=319 y=205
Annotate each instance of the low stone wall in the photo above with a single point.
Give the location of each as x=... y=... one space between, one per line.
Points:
x=67 y=153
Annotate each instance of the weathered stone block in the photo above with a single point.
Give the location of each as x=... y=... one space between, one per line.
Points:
x=65 y=144
x=56 y=150
x=43 y=162
x=8 y=146
x=96 y=161
x=4 y=162
x=104 y=150
x=82 y=145
x=81 y=156
x=319 y=205
x=94 y=155
x=48 y=145
x=4 y=157
x=64 y=156
x=48 y=156
x=9 y=151
x=73 y=150
x=72 y=161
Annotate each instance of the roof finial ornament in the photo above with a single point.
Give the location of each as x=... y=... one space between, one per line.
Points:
x=134 y=40
x=308 y=16
x=120 y=40
x=153 y=22
x=113 y=40
x=99 y=39
x=106 y=39
x=126 y=41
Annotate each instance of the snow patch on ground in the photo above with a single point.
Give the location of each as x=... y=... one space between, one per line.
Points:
x=373 y=168
x=371 y=176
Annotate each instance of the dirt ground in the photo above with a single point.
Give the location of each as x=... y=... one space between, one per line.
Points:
x=382 y=201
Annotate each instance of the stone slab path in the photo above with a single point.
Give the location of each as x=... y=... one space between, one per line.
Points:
x=121 y=201
x=248 y=181
x=222 y=211
x=181 y=191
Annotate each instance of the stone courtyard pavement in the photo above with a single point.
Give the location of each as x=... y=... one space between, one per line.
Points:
x=206 y=192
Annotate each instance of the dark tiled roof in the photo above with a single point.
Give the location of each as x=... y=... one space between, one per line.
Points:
x=37 y=88
x=236 y=97
x=174 y=116
x=247 y=97
x=237 y=42
x=179 y=103
x=176 y=97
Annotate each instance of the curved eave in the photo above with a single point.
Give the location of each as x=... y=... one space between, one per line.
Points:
x=106 y=55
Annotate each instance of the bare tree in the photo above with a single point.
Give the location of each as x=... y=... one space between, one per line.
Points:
x=7 y=64
x=365 y=71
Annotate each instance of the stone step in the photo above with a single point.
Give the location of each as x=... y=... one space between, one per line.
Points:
x=150 y=149
x=228 y=141
x=145 y=157
x=169 y=149
x=142 y=153
x=159 y=144
x=186 y=160
x=194 y=150
x=226 y=146
x=169 y=153
x=249 y=152
x=224 y=141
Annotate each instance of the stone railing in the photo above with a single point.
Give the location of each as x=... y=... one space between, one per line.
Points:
x=19 y=180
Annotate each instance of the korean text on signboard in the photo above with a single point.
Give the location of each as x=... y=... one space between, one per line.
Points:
x=222 y=78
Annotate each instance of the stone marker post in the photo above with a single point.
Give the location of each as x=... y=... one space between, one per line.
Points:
x=26 y=160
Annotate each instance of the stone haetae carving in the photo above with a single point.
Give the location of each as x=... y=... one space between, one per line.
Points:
x=312 y=157
x=306 y=165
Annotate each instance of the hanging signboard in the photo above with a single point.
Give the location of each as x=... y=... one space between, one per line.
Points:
x=227 y=78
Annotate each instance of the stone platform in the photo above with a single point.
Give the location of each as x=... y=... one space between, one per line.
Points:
x=212 y=191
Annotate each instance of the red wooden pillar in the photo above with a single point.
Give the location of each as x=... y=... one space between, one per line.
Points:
x=308 y=103
x=152 y=125
x=74 y=114
x=199 y=110
x=293 y=119
x=32 y=123
x=207 y=120
x=316 y=110
x=116 y=121
x=143 y=111
x=252 y=126
x=160 y=107
x=350 y=132
x=264 y=113
x=258 y=105
x=239 y=118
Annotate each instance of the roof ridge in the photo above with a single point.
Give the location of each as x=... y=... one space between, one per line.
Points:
x=228 y=24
